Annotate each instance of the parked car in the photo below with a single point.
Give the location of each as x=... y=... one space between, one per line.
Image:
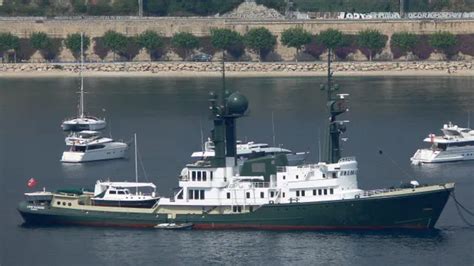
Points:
x=202 y=58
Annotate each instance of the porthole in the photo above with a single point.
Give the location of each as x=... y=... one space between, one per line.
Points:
x=58 y=203
x=69 y=204
x=64 y=203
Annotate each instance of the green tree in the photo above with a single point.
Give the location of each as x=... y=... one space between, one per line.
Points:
x=151 y=41
x=404 y=41
x=296 y=38
x=125 y=7
x=185 y=42
x=260 y=40
x=73 y=43
x=8 y=42
x=372 y=40
x=226 y=40
x=115 y=41
x=331 y=39
x=40 y=41
x=443 y=41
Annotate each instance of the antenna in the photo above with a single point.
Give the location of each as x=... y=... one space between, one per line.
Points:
x=202 y=135
x=273 y=130
x=319 y=144
x=136 y=162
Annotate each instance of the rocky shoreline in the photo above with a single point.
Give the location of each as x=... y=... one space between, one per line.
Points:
x=239 y=67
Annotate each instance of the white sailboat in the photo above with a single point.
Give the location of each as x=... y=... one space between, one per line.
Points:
x=83 y=122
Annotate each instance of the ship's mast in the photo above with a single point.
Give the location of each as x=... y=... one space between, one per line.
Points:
x=81 y=100
x=336 y=105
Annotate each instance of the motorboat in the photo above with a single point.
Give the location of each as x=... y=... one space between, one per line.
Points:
x=247 y=150
x=87 y=145
x=119 y=194
x=456 y=144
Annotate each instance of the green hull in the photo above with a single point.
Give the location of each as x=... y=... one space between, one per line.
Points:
x=409 y=211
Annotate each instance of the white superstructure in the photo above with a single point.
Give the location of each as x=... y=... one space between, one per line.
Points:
x=87 y=145
x=457 y=144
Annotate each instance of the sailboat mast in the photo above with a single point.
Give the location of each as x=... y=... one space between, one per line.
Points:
x=81 y=101
x=136 y=161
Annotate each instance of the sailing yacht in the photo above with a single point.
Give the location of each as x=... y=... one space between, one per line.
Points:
x=82 y=121
x=87 y=145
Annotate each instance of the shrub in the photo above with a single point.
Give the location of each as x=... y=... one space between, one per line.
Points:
x=423 y=49
x=404 y=42
x=131 y=48
x=260 y=40
x=152 y=42
x=227 y=40
x=372 y=40
x=73 y=43
x=295 y=38
x=116 y=42
x=184 y=43
x=464 y=44
x=8 y=42
x=100 y=49
x=443 y=41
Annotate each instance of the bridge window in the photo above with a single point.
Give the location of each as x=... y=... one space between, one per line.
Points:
x=262 y=194
x=196 y=194
x=331 y=191
x=228 y=195
x=302 y=193
x=191 y=194
x=272 y=194
x=201 y=192
x=314 y=192
x=297 y=193
x=248 y=195
x=113 y=192
x=204 y=176
x=325 y=191
x=193 y=175
x=320 y=192
x=199 y=176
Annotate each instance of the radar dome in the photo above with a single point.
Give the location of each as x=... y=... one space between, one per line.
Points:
x=237 y=103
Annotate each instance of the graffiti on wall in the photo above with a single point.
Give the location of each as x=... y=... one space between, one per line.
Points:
x=409 y=15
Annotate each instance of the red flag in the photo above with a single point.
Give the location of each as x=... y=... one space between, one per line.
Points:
x=31 y=182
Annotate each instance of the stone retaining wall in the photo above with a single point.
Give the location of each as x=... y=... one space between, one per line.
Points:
x=157 y=67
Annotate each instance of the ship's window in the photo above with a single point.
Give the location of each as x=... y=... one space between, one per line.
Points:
x=297 y=176
x=69 y=204
x=320 y=192
x=248 y=195
x=251 y=209
x=112 y=192
x=297 y=193
x=126 y=192
x=120 y=192
x=334 y=175
x=211 y=175
x=58 y=203
x=191 y=194
x=239 y=208
x=262 y=194
x=325 y=191
x=283 y=194
x=324 y=175
x=284 y=177
x=193 y=175
x=234 y=209
x=302 y=193
x=64 y=203
x=196 y=194
x=228 y=195
x=331 y=191
x=272 y=194
x=204 y=176
x=314 y=192
x=199 y=176
x=202 y=194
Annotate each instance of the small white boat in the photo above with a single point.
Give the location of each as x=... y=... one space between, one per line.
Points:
x=252 y=150
x=86 y=146
x=83 y=122
x=174 y=226
x=118 y=194
x=457 y=144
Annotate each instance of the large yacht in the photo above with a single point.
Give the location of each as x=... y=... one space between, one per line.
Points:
x=262 y=193
x=87 y=145
x=82 y=121
x=247 y=150
x=456 y=144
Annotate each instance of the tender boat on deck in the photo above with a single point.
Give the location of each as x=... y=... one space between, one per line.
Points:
x=118 y=194
x=457 y=144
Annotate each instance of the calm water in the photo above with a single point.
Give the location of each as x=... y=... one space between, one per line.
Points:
x=392 y=114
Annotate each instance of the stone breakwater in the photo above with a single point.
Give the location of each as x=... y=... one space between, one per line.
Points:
x=238 y=67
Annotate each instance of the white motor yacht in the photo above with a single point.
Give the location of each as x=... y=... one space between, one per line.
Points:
x=83 y=122
x=252 y=150
x=457 y=144
x=86 y=146
x=118 y=194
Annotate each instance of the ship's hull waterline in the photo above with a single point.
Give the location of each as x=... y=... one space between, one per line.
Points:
x=419 y=210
